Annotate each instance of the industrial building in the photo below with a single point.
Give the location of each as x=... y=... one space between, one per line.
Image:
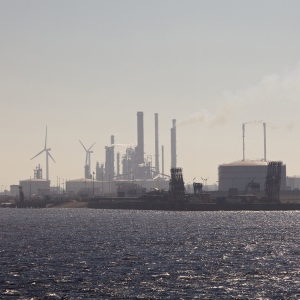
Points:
x=134 y=164
x=14 y=190
x=239 y=174
x=35 y=187
x=110 y=160
x=293 y=183
x=133 y=167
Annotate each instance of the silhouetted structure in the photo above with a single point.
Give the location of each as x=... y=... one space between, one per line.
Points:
x=273 y=180
x=197 y=188
x=140 y=138
x=99 y=171
x=38 y=173
x=118 y=164
x=156 y=144
x=21 y=196
x=252 y=188
x=173 y=145
x=176 y=190
x=134 y=164
x=110 y=160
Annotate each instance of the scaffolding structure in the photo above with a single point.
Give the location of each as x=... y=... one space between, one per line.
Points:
x=273 y=181
x=176 y=185
x=38 y=172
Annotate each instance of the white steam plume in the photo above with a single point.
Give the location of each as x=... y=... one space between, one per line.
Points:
x=203 y=116
x=198 y=117
x=277 y=94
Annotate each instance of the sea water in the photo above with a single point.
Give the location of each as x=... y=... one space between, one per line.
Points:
x=122 y=254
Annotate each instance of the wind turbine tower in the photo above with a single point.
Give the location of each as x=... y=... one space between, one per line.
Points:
x=87 y=167
x=47 y=156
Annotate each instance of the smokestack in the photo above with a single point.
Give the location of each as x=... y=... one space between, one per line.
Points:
x=156 y=144
x=243 y=141
x=110 y=159
x=140 y=137
x=162 y=161
x=112 y=141
x=118 y=163
x=265 y=142
x=173 y=145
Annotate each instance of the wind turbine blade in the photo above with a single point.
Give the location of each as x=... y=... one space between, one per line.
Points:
x=51 y=156
x=46 y=139
x=91 y=146
x=82 y=145
x=38 y=154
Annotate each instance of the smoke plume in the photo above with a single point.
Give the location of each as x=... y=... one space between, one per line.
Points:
x=198 y=117
x=275 y=95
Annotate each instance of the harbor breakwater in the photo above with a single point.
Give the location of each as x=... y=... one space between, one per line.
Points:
x=172 y=206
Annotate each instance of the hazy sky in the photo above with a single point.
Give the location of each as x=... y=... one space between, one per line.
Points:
x=84 y=68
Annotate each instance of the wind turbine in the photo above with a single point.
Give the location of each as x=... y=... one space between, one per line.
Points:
x=87 y=160
x=47 y=156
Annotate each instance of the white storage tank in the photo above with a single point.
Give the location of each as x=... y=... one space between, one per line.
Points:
x=238 y=174
x=35 y=187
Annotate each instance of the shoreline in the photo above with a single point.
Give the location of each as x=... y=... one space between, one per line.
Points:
x=162 y=206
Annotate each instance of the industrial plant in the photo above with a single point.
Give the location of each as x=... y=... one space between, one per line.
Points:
x=126 y=174
x=134 y=177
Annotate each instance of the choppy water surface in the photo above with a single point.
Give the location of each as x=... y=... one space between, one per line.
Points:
x=114 y=254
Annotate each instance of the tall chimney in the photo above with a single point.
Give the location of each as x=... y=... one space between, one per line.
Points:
x=265 y=142
x=118 y=163
x=156 y=144
x=140 y=137
x=243 y=141
x=162 y=161
x=173 y=145
x=112 y=141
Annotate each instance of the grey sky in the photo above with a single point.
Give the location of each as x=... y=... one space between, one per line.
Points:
x=84 y=68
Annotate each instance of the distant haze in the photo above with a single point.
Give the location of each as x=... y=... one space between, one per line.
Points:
x=84 y=69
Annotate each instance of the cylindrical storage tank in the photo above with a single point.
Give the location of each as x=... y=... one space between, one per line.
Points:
x=238 y=174
x=35 y=187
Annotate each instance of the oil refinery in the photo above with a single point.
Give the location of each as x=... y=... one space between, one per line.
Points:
x=133 y=175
